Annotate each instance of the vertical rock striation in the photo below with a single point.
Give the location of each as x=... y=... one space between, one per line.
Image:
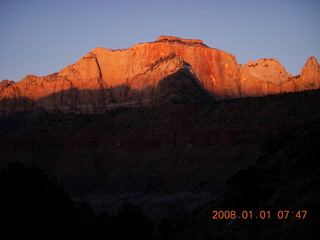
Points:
x=106 y=78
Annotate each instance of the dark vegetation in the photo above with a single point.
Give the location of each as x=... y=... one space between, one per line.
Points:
x=36 y=207
x=286 y=178
x=189 y=43
x=284 y=129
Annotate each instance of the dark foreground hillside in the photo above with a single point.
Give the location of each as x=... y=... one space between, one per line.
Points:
x=286 y=182
x=34 y=206
x=170 y=160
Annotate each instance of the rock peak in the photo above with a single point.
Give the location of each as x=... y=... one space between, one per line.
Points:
x=312 y=61
x=189 y=42
x=105 y=78
x=269 y=70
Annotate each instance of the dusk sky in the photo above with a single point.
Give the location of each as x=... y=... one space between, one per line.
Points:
x=41 y=37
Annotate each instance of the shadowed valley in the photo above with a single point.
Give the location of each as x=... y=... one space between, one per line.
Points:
x=146 y=142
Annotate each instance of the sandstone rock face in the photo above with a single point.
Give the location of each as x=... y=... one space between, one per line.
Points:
x=105 y=78
x=194 y=42
x=310 y=72
x=268 y=70
x=4 y=84
x=267 y=76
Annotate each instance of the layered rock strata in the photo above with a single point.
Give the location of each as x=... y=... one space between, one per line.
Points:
x=106 y=78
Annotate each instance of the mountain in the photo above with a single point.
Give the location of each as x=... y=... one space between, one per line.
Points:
x=168 y=158
x=286 y=178
x=173 y=127
x=105 y=78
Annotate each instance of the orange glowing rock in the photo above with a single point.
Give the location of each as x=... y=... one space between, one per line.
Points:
x=107 y=76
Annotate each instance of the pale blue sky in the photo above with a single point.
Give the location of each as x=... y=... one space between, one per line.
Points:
x=41 y=37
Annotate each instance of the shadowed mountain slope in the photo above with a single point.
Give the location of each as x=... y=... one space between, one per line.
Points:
x=285 y=181
x=155 y=155
x=106 y=78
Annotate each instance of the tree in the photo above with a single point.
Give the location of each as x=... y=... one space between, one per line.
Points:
x=32 y=205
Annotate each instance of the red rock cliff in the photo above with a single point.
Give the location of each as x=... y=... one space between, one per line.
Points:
x=105 y=77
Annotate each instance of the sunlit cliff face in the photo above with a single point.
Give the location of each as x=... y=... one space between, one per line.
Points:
x=119 y=75
x=171 y=39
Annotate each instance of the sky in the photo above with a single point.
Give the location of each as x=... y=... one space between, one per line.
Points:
x=41 y=37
